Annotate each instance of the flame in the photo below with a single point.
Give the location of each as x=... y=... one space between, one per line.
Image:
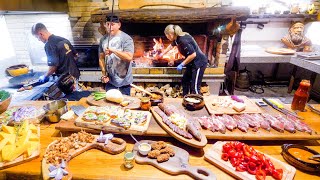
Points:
x=158 y=48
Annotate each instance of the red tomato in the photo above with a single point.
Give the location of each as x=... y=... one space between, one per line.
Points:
x=260 y=175
x=225 y=156
x=252 y=168
x=277 y=174
x=232 y=153
x=226 y=148
x=241 y=168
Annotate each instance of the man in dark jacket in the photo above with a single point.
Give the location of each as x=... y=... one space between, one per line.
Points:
x=60 y=53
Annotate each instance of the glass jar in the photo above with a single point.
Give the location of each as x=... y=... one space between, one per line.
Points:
x=128 y=159
x=301 y=96
x=145 y=103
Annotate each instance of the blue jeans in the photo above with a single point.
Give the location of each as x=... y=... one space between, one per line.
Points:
x=125 y=90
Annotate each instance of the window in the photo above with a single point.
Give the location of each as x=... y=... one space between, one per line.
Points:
x=6 y=47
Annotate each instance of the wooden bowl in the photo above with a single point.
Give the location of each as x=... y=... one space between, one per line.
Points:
x=155 y=102
x=5 y=104
x=193 y=102
x=298 y=163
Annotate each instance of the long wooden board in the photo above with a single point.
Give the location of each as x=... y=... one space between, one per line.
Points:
x=134 y=102
x=251 y=107
x=191 y=142
x=178 y=164
x=21 y=159
x=213 y=155
x=108 y=127
x=111 y=148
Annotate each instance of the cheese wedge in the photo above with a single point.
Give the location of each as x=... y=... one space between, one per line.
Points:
x=8 y=129
x=3 y=143
x=24 y=127
x=32 y=147
x=33 y=128
x=11 y=139
x=23 y=139
x=7 y=152
x=17 y=152
x=34 y=137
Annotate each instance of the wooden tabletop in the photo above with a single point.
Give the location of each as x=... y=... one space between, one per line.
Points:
x=95 y=164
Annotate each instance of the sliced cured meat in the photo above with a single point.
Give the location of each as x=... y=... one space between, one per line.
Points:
x=288 y=125
x=252 y=122
x=219 y=126
x=274 y=122
x=228 y=121
x=175 y=128
x=242 y=125
x=299 y=125
x=264 y=124
x=205 y=122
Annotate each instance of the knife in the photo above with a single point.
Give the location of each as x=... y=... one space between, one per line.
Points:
x=282 y=110
x=279 y=105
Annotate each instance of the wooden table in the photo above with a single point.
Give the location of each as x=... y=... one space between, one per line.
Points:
x=155 y=130
x=95 y=164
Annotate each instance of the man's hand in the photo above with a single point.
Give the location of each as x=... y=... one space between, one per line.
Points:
x=43 y=79
x=104 y=79
x=179 y=67
x=108 y=51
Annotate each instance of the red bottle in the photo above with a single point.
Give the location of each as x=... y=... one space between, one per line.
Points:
x=301 y=96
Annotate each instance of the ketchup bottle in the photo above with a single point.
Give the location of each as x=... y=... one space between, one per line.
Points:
x=301 y=96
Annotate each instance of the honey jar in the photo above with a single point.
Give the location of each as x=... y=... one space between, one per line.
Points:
x=145 y=103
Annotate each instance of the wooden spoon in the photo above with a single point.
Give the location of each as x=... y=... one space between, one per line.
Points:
x=154 y=96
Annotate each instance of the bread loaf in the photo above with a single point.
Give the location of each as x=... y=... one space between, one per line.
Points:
x=114 y=95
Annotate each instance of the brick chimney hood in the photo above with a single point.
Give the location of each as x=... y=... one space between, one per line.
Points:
x=189 y=15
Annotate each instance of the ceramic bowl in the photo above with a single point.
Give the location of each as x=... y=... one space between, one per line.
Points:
x=54 y=110
x=144 y=148
x=5 y=104
x=193 y=102
x=155 y=102
x=18 y=70
x=298 y=163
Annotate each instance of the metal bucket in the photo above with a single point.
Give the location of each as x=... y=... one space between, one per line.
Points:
x=54 y=110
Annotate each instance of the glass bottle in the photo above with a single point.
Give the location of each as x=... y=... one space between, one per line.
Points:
x=301 y=96
x=145 y=103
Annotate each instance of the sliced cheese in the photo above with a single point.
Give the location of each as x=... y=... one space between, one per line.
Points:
x=11 y=139
x=24 y=139
x=3 y=143
x=18 y=151
x=32 y=147
x=33 y=128
x=24 y=127
x=7 y=152
x=34 y=137
x=239 y=107
x=8 y=129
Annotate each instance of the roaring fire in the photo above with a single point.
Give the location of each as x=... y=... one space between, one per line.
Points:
x=158 y=48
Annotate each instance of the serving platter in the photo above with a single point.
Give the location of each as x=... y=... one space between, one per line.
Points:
x=191 y=142
x=134 y=102
x=109 y=127
x=110 y=148
x=178 y=164
x=210 y=101
x=213 y=155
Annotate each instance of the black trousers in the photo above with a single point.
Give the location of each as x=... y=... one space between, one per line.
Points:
x=191 y=80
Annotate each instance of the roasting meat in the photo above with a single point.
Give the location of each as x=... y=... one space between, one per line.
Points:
x=251 y=121
x=288 y=125
x=299 y=125
x=264 y=124
x=242 y=124
x=228 y=121
x=274 y=122
x=219 y=126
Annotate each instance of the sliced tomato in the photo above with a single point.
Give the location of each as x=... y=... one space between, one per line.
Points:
x=225 y=156
x=260 y=175
x=234 y=161
x=277 y=174
x=241 y=168
x=252 y=168
x=247 y=150
x=232 y=153
x=226 y=147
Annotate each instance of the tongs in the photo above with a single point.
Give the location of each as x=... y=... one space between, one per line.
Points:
x=313 y=109
x=315 y=157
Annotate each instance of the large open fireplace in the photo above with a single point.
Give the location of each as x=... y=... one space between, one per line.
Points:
x=146 y=27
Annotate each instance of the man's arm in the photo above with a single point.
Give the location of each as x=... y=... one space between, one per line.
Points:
x=102 y=64
x=52 y=69
x=126 y=56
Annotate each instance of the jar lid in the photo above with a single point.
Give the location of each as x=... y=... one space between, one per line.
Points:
x=145 y=99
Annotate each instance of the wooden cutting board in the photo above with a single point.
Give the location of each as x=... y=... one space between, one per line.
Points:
x=134 y=102
x=108 y=127
x=21 y=159
x=191 y=142
x=111 y=148
x=251 y=107
x=178 y=164
x=213 y=155
x=280 y=51
x=137 y=4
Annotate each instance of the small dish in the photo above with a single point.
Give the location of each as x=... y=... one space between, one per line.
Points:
x=288 y=153
x=155 y=102
x=193 y=102
x=144 y=148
